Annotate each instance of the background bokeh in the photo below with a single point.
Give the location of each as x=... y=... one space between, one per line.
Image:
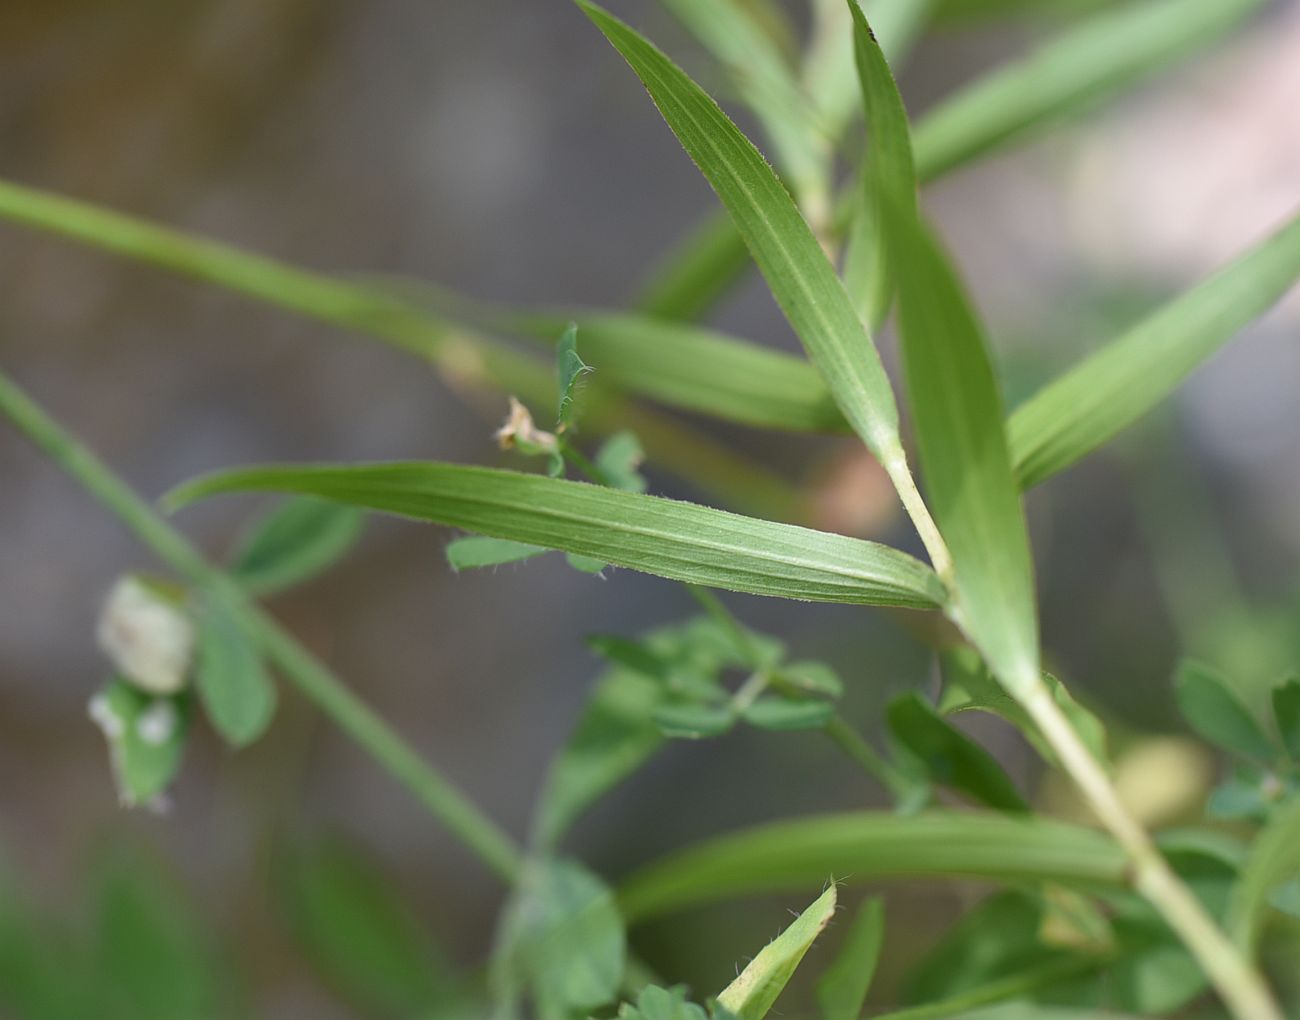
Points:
x=501 y=149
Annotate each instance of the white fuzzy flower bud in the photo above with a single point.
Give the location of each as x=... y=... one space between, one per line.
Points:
x=149 y=640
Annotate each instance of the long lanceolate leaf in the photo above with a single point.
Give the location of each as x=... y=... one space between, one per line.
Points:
x=1087 y=406
x=666 y=537
x=800 y=276
x=867 y=846
x=1080 y=67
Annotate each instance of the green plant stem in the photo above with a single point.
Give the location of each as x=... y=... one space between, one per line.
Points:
x=320 y=686
x=896 y=466
x=1241 y=987
x=1029 y=980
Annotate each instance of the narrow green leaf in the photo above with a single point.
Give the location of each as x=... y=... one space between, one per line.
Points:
x=571 y=368
x=1286 y=711
x=475 y=551
x=957 y=412
x=619 y=459
x=1086 y=407
x=297 y=540
x=867 y=846
x=890 y=175
x=237 y=694
x=146 y=738
x=842 y=990
x=1084 y=65
x=774 y=712
x=1274 y=859
x=699 y=369
x=755 y=991
x=765 y=80
x=950 y=757
x=677 y=540
x=563 y=936
x=1217 y=714
x=801 y=278
x=359 y=931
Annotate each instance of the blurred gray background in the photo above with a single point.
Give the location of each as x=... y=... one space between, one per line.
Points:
x=500 y=148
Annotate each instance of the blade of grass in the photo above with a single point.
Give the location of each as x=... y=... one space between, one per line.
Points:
x=1072 y=72
x=446 y=803
x=1274 y=858
x=867 y=846
x=666 y=537
x=1086 y=407
x=797 y=270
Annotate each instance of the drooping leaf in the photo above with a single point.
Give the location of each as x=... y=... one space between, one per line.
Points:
x=677 y=540
x=1217 y=714
x=1274 y=859
x=957 y=412
x=868 y=846
x=1091 y=403
x=146 y=738
x=754 y=992
x=237 y=693
x=776 y=712
x=359 y=931
x=950 y=757
x=475 y=551
x=842 y=990
x=1082 y=66
x=571 y=369
x=1286 y=712
x=619 y=460
x=562 y=938
x=297 y=540
x=801 y=278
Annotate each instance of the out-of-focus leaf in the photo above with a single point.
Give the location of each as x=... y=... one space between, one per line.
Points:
x=571 y=368
x=842 y=990
x=868 y=846
x=695 y=273
x=1274 y=859
x=474 y=551
x=619 y=459
x=687 y=721
x=801 y=278
x=585 y=564
x=155 y=962
x=146 y=738
x=774 y=712
x=237 y=693
x=1153 y=974
x=812 y=678
x=677 y=540
x=753 y=993
x=950 y=757
x=43 y=976
x=297 y=540
x=563 y=938
x=967 y=471
x=1287 y=898
x=1217 y=714
x=359 y=931
x=1086 y=407
x=700 y=369
x=655 y=1003
x=1286 y=712
x=1082 y=66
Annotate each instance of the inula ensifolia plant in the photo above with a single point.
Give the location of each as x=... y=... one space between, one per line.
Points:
x=1089 y=917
